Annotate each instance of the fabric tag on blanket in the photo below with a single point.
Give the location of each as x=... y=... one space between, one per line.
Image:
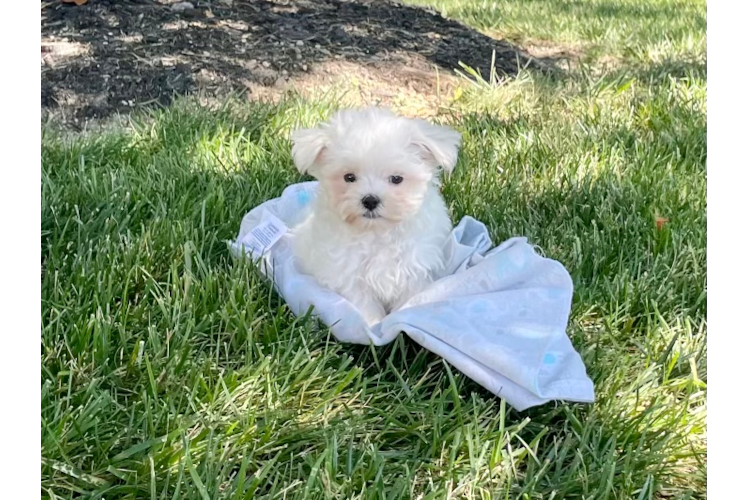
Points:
x=262 y=238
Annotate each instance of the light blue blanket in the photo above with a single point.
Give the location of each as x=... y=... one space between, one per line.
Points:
x=499 y=316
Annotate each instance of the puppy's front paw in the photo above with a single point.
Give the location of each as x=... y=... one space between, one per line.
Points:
x=374 y=316
x=371 y=310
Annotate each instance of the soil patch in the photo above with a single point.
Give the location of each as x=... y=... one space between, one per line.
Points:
x=110 y=56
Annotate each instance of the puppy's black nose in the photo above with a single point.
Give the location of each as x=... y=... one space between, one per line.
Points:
x=370 y=202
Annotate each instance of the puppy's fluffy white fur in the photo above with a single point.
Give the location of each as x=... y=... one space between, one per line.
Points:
x=378 y=226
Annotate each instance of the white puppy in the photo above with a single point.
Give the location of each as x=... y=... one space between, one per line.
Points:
x=378 y=226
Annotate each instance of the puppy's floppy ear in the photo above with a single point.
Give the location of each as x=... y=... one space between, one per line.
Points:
x=308 y=150
x=439 y=144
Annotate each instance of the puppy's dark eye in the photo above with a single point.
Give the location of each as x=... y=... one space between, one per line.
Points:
x=349 y=178
x=396 y=179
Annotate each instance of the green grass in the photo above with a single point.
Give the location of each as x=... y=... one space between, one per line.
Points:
x=630 y=30
x=171 y=371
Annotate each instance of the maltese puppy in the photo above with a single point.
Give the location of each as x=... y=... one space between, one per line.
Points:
x=378 y=227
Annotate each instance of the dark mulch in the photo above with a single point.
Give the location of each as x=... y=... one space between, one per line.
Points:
x=110 y=55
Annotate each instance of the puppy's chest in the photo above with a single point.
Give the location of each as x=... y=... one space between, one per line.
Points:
x=379 y=256
x=381 y=263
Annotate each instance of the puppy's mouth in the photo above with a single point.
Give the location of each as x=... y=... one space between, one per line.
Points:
x=371 y=215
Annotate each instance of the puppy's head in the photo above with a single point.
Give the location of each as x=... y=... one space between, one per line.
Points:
x=375 y=167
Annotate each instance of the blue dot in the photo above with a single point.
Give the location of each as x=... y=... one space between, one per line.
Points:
x=302 y=198
x=479 y=307
x=549 y=359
